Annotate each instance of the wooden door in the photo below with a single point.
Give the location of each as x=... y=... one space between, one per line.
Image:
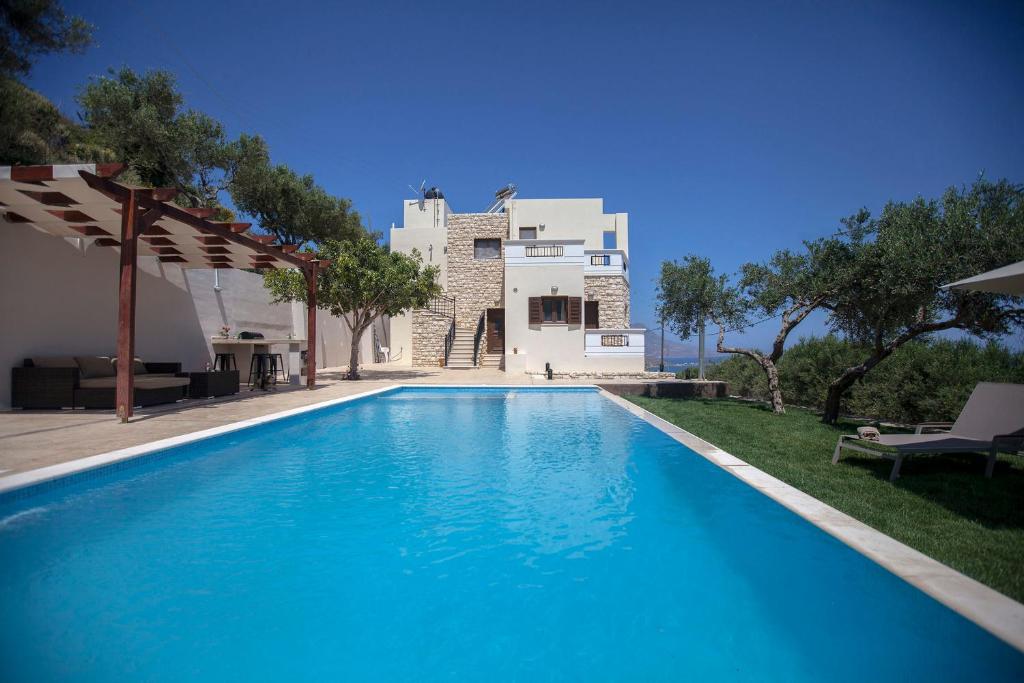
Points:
x=590 y=316
x=495 y=330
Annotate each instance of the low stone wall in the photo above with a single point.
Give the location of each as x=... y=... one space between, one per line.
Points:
x=428 y=333
x=609 y=374
x=671 y=389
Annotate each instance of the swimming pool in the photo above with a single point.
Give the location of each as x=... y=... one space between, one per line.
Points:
x=450 y=533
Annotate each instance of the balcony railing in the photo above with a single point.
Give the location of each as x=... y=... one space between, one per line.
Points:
x=607 y=342
x=546 y=250
x=606 y=262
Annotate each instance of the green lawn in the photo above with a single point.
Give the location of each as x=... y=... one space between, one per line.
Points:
x=941 y=505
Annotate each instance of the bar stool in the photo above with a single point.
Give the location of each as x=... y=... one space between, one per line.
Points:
x=258 y=368
x=225 y=361
x=277 y=367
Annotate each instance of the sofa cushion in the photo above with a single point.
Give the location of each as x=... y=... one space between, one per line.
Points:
x=97 y=383
x=138 y=368
x=153 y=382
x=141 y=383
x=54 y=362
x=95 y=366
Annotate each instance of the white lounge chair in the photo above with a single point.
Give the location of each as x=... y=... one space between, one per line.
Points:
x=991 y=421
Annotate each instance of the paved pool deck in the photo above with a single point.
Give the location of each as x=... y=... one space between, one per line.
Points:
x=30 y=439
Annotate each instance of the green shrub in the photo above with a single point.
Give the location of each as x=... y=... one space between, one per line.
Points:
x=923 y=380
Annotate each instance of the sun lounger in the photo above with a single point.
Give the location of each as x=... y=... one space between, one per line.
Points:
x=991 y=421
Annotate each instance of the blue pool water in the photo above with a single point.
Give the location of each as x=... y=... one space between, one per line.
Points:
x=442 y=534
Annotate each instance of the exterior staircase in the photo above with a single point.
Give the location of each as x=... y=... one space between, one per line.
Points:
x=494 y=361
x=461 y=355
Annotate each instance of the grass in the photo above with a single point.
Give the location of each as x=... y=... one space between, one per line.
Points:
x=941 y=505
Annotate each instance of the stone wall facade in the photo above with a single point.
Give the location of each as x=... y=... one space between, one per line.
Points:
x=428 y=333
x=612 y=294
x=476 y=284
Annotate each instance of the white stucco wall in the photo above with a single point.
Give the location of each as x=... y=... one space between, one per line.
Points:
x=562 y=219
x=425 y=230
x=401 y=338
x=529 y=347
x=58 y=297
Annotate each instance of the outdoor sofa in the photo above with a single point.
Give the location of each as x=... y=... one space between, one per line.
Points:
x=991 y=421
x=90 y=382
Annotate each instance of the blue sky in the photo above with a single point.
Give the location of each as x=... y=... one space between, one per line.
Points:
x=723 y=129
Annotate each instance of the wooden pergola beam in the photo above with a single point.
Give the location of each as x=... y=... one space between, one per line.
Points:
x=140 y=210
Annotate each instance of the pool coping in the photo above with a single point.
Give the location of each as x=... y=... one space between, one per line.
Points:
x=996 y=613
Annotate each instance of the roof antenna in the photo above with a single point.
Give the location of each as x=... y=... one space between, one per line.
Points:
x=420 y=193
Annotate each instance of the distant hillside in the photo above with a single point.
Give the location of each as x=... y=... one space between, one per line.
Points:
x=673 y=347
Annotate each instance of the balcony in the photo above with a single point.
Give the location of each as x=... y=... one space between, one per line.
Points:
x=544 y=252
x=625 y=343
x=606 y=262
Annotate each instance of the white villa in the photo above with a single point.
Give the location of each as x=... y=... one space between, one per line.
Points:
x=529 y=285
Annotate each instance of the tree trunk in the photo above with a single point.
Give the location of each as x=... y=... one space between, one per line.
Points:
x=835 y=393
x=774 y=390
x=767 y=365
x=353 y=356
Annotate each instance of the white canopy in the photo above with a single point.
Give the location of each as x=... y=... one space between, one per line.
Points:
x=1006 y=280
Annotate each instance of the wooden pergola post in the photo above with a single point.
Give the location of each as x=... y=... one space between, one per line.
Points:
x=125 y=398
x=311 y=278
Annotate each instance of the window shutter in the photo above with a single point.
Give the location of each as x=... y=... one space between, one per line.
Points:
x=536 y=311
x=575 y=310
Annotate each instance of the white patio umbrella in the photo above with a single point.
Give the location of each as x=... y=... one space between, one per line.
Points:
x=1006 y=280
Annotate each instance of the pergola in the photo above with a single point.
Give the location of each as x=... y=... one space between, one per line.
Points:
x=85 y=201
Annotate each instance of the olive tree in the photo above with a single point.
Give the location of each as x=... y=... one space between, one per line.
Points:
x=789 y=286
x=689 y=293
x=363 y=282
x=889 y=271
x=143 y=121
x=292 y=207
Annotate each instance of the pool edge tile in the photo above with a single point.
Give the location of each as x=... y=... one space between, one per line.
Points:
x=986 y=607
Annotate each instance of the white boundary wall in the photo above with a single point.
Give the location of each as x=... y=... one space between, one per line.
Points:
x=58 y=297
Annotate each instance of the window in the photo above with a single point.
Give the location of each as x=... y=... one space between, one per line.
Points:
x=555 y=309
x=527 y=233
x=609 y=240
x=486 y=248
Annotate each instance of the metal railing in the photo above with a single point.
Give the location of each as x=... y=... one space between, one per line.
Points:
x=545 y=250
x=600 y=259
x=449 y=340
x=442 y=305
x=614 y=340
x=476 y=338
